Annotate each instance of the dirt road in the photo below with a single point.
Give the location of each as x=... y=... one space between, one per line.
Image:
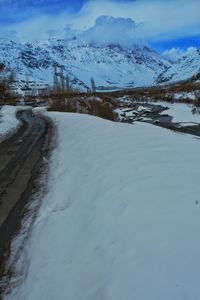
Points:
x=21 y=158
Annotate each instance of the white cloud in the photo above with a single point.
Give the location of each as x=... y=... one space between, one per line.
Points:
x=11 y=34
x=175 y=53
x=110 y=30
x=159 y=20
x=39 y=28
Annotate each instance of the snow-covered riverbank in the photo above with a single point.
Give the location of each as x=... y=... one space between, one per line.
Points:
x=120 y=219
x=8 y=120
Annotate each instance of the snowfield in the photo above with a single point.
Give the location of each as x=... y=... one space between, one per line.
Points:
x=8 y=120
x=186 y=95
x=121 y=218
x=181 y=112
x=112 y=67
x=185 y=67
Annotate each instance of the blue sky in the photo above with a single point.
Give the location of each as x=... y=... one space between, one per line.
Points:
x=18 y=10
x=183 y=43
x=164 y=24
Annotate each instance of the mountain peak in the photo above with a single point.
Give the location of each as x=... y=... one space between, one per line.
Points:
x=112 y=66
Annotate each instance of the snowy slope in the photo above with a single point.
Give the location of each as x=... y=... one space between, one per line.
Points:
x=121 y=218
x=186 y=67
x=110 y=66
x=8 y=121
x=29 y=61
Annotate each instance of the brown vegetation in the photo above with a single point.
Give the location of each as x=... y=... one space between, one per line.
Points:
x=7 y=78
x=160 y=93
x=63 y=97
x=82 y=103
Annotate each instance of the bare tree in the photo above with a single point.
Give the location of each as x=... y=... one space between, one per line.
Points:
x=67 y=84
x=56 y=84
x=2 y=81
x=7 y=77
x=93 y=86
x=62 y=79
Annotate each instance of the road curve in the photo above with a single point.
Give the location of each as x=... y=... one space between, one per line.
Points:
x=20 y=161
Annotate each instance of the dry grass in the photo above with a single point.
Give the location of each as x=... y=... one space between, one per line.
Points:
x=83 y=103
x=164 y=93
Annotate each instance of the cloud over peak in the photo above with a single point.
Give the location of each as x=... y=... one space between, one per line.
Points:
x=175 y=53
x=111 y=30
x=155 y=21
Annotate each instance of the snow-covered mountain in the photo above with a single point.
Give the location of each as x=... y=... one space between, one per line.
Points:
x=186 y=67
x=111 y=66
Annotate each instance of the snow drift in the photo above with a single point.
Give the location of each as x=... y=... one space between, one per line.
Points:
x=8 y=120
x=121 y=218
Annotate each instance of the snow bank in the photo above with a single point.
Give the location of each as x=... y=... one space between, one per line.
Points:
x=121 y=218
x=186 y=95
x=8 y=120
x=181 y=113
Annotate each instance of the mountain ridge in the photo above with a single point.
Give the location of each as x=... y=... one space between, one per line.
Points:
x=112 y=66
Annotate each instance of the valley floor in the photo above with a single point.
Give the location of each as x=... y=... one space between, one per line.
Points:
x=120 y=219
